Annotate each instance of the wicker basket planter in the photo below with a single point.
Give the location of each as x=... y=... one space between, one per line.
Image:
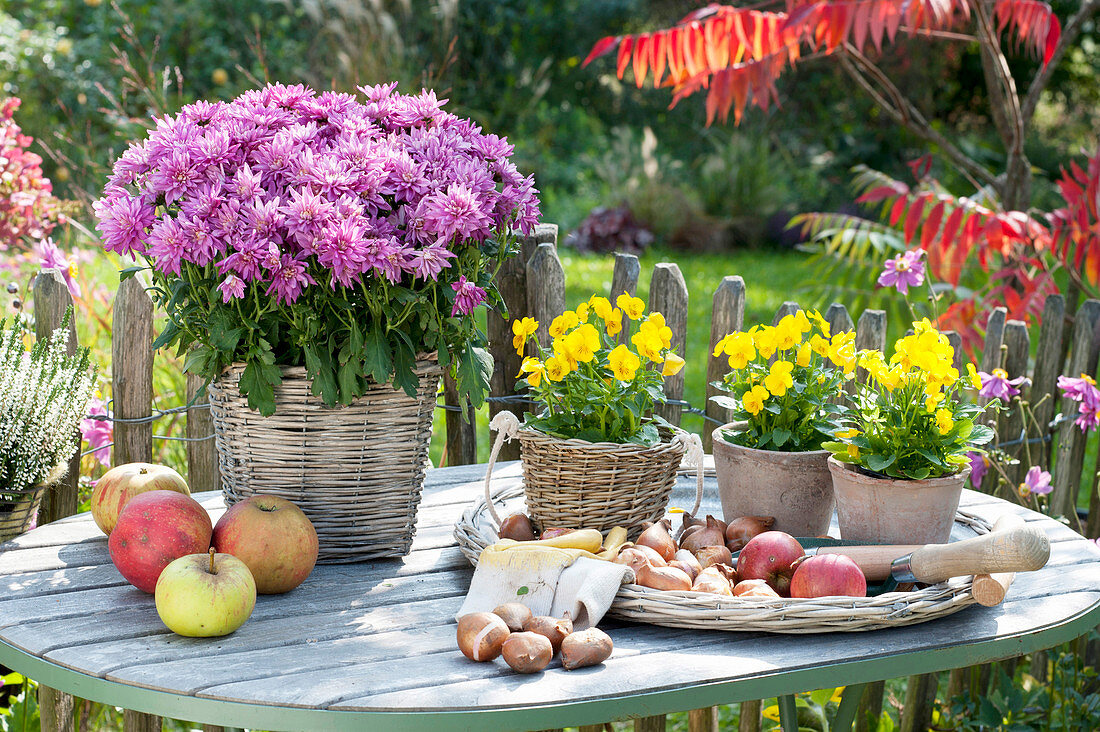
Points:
x=356 y=471
x=597 y=485
x=16 y=510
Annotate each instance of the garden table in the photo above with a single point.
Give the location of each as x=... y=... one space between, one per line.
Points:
x=372 y=646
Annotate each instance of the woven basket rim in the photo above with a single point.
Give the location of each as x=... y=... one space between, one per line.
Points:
x=576 y=442
x=422 y=357
x=894 y=608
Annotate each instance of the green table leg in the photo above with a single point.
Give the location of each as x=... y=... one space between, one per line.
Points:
x=788 y=713
x=849 y=705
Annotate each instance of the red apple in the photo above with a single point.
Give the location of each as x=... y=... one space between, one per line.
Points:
x=122 y=482
x=828 y=574
x=154 y=529
x=273 y=537
x=770 y=556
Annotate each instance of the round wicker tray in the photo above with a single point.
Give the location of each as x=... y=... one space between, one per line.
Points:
x=475 y=530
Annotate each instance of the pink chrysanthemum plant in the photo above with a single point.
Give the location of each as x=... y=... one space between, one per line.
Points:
x=340 y=233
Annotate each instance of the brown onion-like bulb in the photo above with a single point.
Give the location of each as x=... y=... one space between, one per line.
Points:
x=527 y=652
x=688 y=558
x=712 y=580
x=652 y=555
x=740 y=530
x=709 y=555
x=555 y=629
x=585 y=648
x=631 y=557
x=517 y=527
x=691 y=570
x=753 y=588
x=662 y=578
x=480 y=636
x=713 y=534
x=689 y=523
x=514 y=615
x=657 y=538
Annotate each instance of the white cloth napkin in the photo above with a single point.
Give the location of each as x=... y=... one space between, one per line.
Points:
x=548 y=581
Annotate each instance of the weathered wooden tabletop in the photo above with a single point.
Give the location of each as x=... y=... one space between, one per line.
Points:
x=373 y=645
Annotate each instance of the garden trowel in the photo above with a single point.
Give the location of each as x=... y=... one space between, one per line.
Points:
x=1010 y=547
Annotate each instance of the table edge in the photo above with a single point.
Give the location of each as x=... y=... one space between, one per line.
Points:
x=593 y=711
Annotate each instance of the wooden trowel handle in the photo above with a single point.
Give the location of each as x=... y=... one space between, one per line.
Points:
x=990 y=589
x=1017 y=549
x=873 y=559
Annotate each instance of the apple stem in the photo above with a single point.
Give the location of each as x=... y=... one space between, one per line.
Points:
x=212 y=570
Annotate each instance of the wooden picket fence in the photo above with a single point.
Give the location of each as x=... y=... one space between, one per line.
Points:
x=533 y=285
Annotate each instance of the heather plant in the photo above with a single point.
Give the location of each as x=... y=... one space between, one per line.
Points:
x=347 y=236
x=43 y=396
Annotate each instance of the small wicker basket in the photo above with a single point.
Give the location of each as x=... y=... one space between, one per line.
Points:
x=595 y=485
x=356 y=471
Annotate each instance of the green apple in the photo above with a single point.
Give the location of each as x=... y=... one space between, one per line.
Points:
x=202 y=595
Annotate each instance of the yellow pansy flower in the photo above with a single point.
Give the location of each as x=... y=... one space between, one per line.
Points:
x=534 y=370
x=766 y=340
x=944 y=421
x=601 y=306
x=556 y=368
x=821 y=323
x=805 y=353
x=624 y=362
x=632 y=306
x=523 y=329
x=932 y=401
x=614 y=322
x=562 y=324
x=740 y=349
x=648 y=345
x=846 y=434
x=656 y=327
x=754 y=399
x=787 y=333
x=842 y=351
x=819 y=344
x=972 y=374
x=582 y=344
x=673 y=364
x=853 y=451
x=582 y=312
x=779 y=379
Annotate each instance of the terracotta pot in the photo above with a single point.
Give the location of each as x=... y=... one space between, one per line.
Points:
x=794 y=487
x=893 y=510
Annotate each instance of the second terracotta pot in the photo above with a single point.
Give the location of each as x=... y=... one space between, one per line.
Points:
x=794 y=487
x=893 y=510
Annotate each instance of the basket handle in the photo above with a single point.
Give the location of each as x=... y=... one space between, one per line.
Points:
x=506 y=425
x=693 y=456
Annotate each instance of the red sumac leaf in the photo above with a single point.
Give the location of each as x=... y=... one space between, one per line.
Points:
x=601 y=47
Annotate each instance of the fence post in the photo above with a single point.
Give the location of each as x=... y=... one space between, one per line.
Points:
x=203 y=473
x=132 y=373
x=1071 y=442
x=668 y=295
x=624 y=280
x=749 y=716
x=727 y=315
x=51 y=302
x=991 y=359
x=920 y=699
x=789 y=307
x=838 y=319
x=511 y=281
x=132 y=398
x=545 y=289
x=1048 y=365
x=625 y=276
x=1011 y=427
x=461 y=433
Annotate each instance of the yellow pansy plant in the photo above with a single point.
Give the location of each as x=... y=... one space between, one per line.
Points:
x=909 y=419
x=784 y=381
x=594 y=382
